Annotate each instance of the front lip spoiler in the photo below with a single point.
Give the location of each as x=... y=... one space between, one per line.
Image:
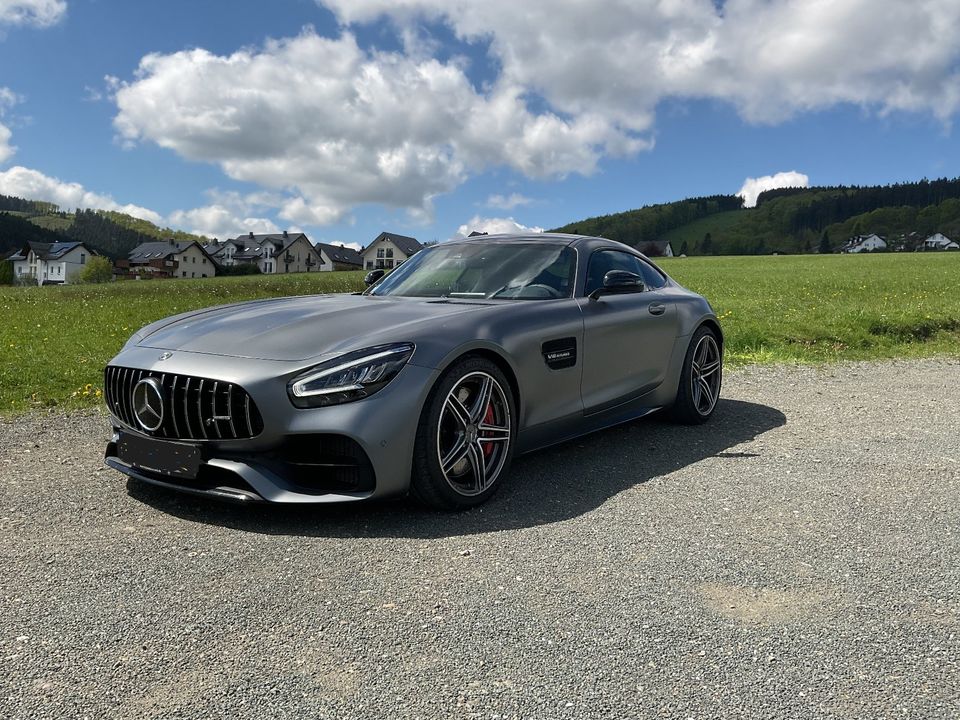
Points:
x=226 y=494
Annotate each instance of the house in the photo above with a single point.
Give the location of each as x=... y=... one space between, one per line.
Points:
x=338 y=257
x=273 y=253
x=389 y=250
x=167 y=259
x=864 y=243
x=938 y=241
x=656 y=248
x=223 y=252
x=50 y=263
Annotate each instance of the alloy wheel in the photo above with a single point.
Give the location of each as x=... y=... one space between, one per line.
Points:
x=705 y=375
x=474 y=433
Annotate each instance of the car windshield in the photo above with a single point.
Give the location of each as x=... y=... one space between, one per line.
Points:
x=484 y=271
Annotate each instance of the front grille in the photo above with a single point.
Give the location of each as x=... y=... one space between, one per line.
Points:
x=193 y=408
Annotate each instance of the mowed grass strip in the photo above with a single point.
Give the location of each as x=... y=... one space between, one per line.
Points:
x=54 y=341
x=816 y=308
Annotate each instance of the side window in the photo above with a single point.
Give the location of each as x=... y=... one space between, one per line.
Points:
x=651 y=276
x=603 y=261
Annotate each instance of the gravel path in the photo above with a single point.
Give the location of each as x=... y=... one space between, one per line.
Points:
x=798 y=557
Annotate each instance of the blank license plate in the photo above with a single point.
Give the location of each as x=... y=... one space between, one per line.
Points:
x=159 y=456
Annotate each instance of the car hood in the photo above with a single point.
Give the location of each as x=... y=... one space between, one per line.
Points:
x=301 y=328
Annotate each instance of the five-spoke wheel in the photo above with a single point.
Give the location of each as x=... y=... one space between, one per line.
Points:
x=465 y=439
x=700 y=380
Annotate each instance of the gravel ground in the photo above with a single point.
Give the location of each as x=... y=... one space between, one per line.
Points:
x=797 y=557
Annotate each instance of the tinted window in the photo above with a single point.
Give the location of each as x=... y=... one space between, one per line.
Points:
x=651 y=276
x=604 y=261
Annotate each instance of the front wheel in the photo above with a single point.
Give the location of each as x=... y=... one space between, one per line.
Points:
x=466 y=437
x=700 y=379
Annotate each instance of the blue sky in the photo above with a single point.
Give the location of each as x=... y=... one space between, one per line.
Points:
x=347 y=117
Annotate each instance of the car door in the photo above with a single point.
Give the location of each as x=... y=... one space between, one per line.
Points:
x=628 y=337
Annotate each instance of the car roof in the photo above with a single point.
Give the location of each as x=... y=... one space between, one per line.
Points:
x=584 y=242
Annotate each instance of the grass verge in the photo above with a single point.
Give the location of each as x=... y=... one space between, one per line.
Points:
x=54 y=341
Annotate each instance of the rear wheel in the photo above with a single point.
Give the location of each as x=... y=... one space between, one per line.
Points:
x=700 y=379
x=466 y=437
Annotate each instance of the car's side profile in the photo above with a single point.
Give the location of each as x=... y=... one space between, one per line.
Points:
x=430 y=382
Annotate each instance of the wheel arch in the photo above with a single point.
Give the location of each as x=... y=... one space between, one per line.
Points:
x=711 y=322
x=499 y=359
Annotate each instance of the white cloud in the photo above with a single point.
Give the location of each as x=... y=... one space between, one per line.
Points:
x=752 y=187
x=217 y=221
x=38 y=13
x=494 y=226
x=7 y=100
x=335 y=126
x=6 y=149
x=329 y=125
x=769 y=58
x=34 y=185
x=507 y=202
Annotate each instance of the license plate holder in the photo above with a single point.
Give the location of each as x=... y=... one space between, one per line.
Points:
x=164 y=457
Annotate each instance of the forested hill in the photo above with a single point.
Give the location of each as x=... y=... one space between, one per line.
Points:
x=112 y=233
x=787 y=220
x=15 y=231
x=652 y=222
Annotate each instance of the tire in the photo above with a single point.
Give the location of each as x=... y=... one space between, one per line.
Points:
x=466 y=437
x=693 y=405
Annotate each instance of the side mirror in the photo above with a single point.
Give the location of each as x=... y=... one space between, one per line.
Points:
x=618 y=281
x=373 y=276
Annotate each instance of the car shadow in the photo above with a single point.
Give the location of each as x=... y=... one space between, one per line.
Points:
x=545 y=487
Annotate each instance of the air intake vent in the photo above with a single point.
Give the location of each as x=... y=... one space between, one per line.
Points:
x=193 y=408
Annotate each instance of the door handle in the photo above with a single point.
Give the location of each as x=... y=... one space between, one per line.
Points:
x=657 y=308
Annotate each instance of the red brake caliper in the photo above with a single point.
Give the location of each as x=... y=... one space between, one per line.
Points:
x=488 y=420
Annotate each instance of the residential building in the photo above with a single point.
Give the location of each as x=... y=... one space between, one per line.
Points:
x=50 y=263
x=338 y=257
x=864 y=243
x=223 y=252
x=656 y=248
x=167 y=259
x=389 y=250
x=939 y=241
x=272 y=253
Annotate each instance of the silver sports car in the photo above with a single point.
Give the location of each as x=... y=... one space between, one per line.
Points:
x=429 y=382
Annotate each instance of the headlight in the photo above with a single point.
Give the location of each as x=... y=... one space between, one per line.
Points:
x=349 y=377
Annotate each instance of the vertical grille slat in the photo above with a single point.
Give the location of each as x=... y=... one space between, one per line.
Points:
x=191 y=404
x=173 y=407
x=126 y=399
x=213 y=409
x=246 y=413
x=233 y=427
x=186 y=409
x=203 y=426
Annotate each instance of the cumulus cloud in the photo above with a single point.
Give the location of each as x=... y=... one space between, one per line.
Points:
x=7 y=100
x=494 y=226
x=37 y=13
x=335 y=126
x=219 y=221
x=507 y=202
x=770 y=58
x=34 y=185
x=330 y=125
x=752 y=187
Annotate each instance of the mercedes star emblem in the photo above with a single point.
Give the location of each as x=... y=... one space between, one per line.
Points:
x=148 y=403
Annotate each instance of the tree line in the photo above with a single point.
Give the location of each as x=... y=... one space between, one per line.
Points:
x=786 y=220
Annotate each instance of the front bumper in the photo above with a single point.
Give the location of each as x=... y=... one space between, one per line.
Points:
x=341 y=453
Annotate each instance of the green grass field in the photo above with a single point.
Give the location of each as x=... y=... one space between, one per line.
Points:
x=54 y=341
